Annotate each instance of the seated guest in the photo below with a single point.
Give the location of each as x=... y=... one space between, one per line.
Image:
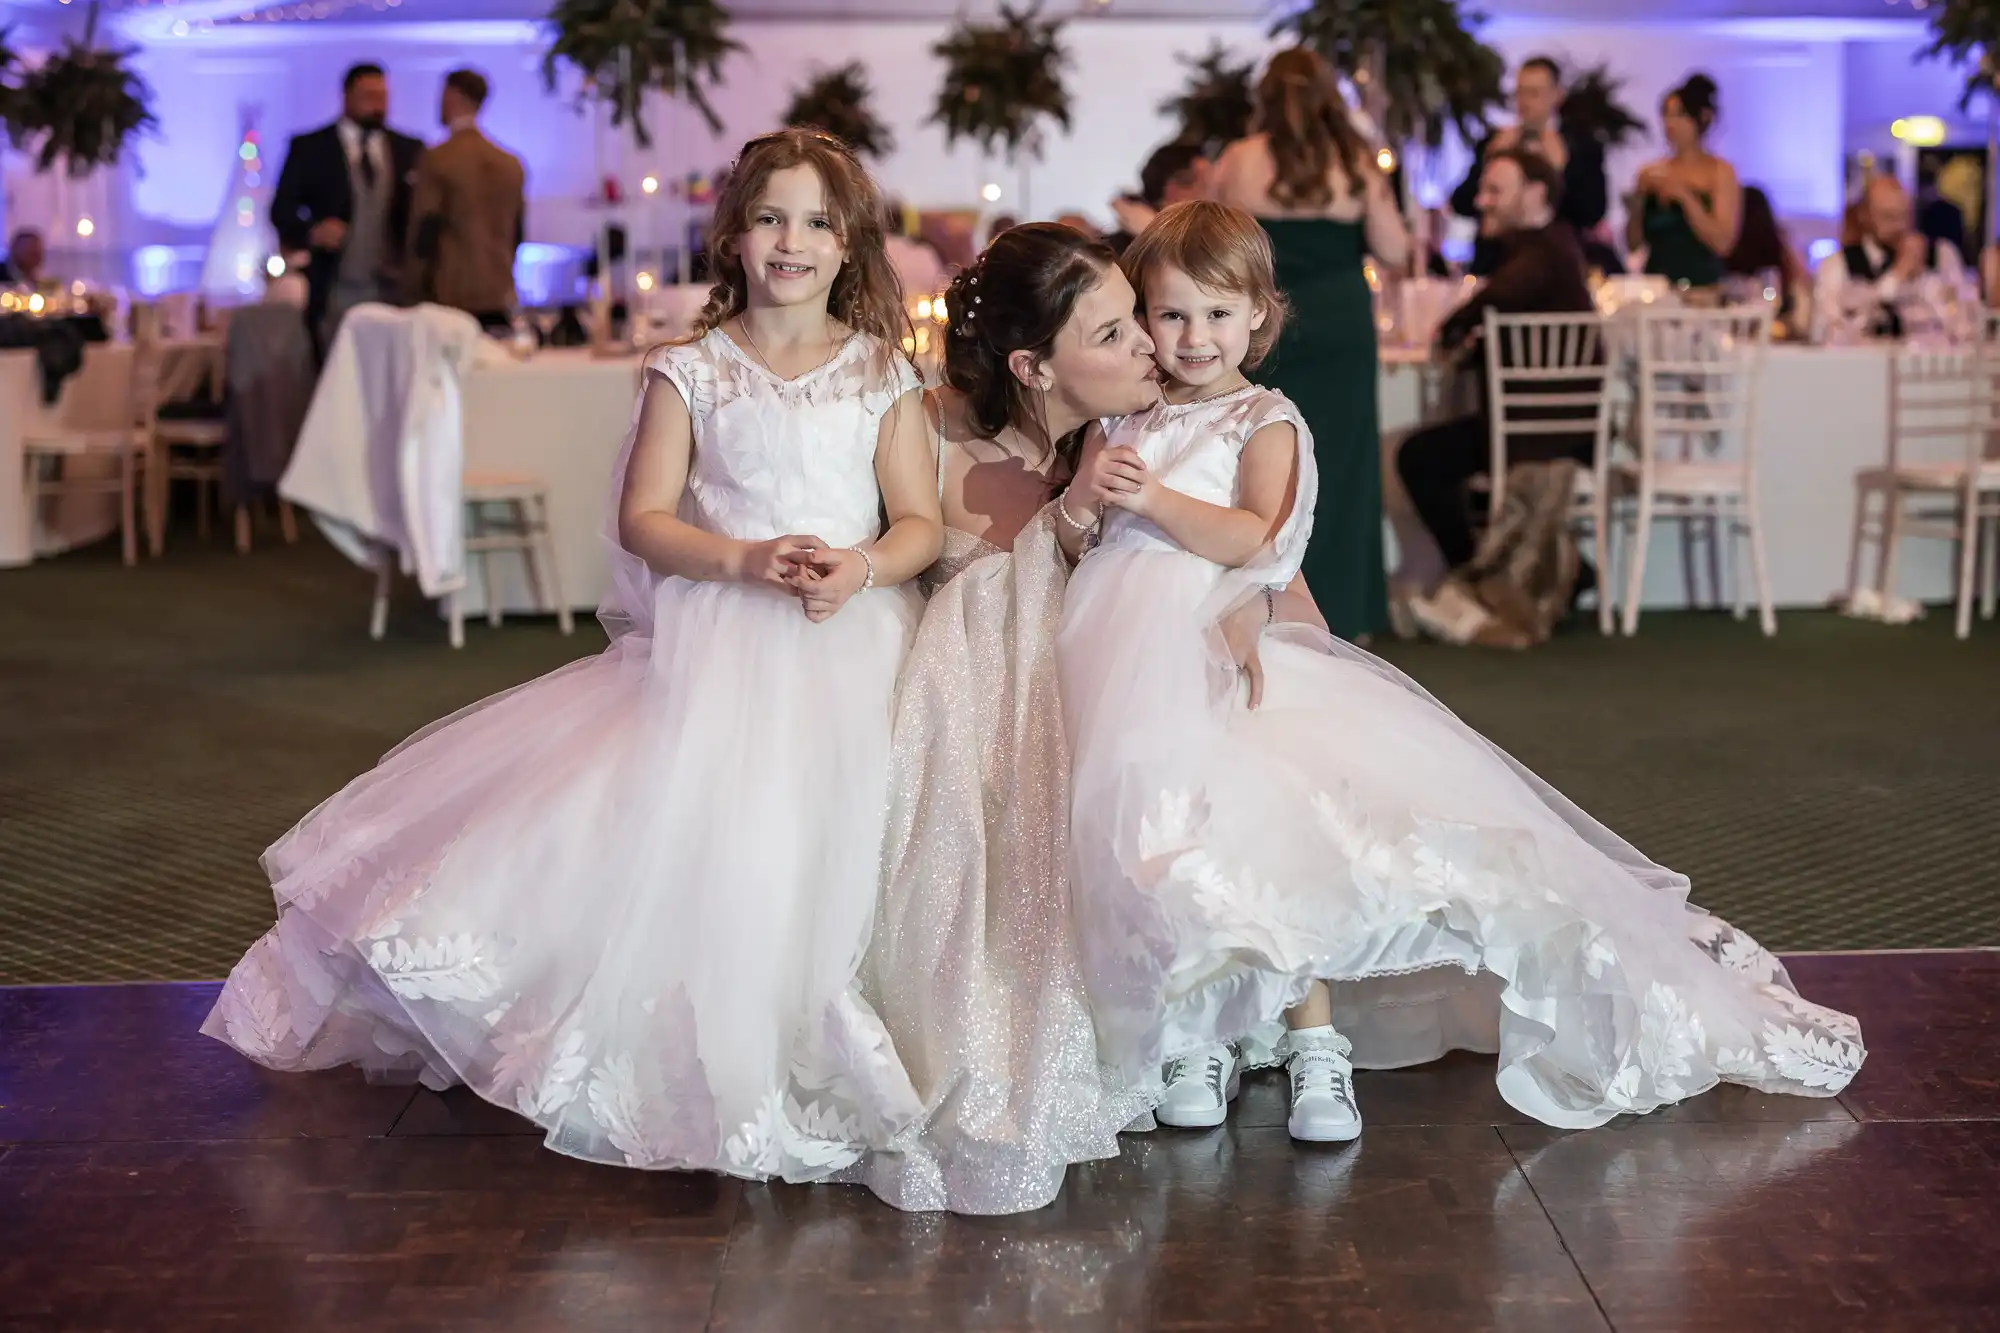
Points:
x=1174 y=173
x=917 y=264
x=1538 y=98
x=1873 y=268
x=26 y=256
x=1540 y=270
x=1761 y=248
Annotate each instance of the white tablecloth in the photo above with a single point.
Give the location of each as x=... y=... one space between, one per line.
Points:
x=96 y=397
x=563 y=416
x=1824 y=415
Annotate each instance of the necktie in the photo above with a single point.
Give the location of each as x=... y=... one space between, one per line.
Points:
x=367 y=159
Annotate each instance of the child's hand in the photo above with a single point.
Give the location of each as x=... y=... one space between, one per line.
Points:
x=1241 y=631
x=1115 y=477
x=826 y=579
x=775 y=563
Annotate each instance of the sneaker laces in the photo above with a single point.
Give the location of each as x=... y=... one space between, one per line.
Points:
x=1321 y=1071
x=1213 y=1075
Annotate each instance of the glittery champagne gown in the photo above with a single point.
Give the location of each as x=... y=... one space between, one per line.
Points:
x=973 y=965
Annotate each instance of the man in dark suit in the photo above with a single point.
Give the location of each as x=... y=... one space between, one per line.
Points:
x=343 y=196
x=1541 y=271
x=1538 y=94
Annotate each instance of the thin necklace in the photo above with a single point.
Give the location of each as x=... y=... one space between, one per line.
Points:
x=1211 y=397
x=743 y=327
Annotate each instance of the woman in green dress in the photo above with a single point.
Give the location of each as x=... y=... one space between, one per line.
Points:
x=1308 y=175
x=1690 y=204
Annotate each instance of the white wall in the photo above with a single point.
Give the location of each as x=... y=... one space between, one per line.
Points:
x=1792 y=106
x=1781 y=99
x=1122 y=71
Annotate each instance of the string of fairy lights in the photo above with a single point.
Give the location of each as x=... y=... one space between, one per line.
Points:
x=206 y=16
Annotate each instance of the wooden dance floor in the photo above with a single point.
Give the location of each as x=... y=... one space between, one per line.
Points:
x=152 y=1179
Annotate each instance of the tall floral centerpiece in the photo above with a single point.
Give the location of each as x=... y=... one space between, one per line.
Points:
x=1002 y=81
x=838 y=101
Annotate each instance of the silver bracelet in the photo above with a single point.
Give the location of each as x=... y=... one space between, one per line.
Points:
x=1270 y=606
x=1062 y=508
x=869 y=561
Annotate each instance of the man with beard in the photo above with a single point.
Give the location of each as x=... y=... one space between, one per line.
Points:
x=343 y=197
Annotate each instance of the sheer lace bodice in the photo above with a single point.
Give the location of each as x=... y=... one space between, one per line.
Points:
x=761 y=467
x=1197 y=448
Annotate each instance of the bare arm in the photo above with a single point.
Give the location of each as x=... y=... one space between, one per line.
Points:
x=1077 y=499
x=1267 y=487
x=1294 y=605
x=1716 y=224
x=655 y=476
x=1388 y=235
x=906 y=468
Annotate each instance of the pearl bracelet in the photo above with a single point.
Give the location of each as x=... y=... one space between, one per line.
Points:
x=1062 y=508
x=869 y=561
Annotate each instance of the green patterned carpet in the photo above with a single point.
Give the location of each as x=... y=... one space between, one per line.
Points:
x=1837 y=788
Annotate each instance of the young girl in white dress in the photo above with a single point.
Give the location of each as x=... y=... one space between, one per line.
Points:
x=1348 y=856
x=629 y=900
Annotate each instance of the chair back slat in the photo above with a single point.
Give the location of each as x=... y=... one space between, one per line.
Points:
x=1940 y=404
x=1699 y=376
x=1545 y=375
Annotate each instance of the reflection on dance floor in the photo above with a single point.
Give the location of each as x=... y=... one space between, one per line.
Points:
x=153 y=1179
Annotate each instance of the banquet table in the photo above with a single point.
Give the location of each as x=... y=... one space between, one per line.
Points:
x=96 y=397
x=1824 y=415
x=562 y=415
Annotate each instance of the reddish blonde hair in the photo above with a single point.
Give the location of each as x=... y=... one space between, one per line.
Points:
x=1224 y=250
x=866 y=293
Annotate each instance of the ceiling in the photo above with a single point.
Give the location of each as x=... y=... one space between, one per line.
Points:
x=155 y=18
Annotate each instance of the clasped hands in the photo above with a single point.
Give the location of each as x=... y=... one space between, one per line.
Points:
x=1117 y=478
x=822 y=577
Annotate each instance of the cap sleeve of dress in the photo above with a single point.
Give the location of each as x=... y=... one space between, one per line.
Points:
x=690 y=369
x=1278 y=563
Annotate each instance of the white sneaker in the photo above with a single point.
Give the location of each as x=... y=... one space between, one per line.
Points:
x=1323 y=1107
x=1200 y=1087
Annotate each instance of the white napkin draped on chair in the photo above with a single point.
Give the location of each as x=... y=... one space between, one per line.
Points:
x=380 y=460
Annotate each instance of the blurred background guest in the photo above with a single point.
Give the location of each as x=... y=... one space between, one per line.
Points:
x=1881 y=257
x=1538 y=95
x=917 y=263
x=1175 y=172
x=1540 y=271
x=469 y=208
x=1307 y=174
x=26 y=259
x=1762 y=249
x=1690 y=201
x=344 y=195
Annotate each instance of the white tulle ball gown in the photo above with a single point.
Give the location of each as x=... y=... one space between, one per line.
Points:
x=1353 y=830
x=629 y=900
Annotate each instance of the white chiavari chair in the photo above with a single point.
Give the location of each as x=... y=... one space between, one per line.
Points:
x=1938 y=478
x=1546 y=376
x=1695 y=434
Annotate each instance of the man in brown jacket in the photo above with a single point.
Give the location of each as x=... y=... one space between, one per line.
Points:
x=466 y=215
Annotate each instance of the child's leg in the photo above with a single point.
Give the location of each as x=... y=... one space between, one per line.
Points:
x=1315 y=1011
x=1323 y=1107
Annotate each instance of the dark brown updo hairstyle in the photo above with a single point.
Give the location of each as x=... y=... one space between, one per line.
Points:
x=1304 y=119
x=866 y=294
x=1697 y=97
x=1016 y=297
